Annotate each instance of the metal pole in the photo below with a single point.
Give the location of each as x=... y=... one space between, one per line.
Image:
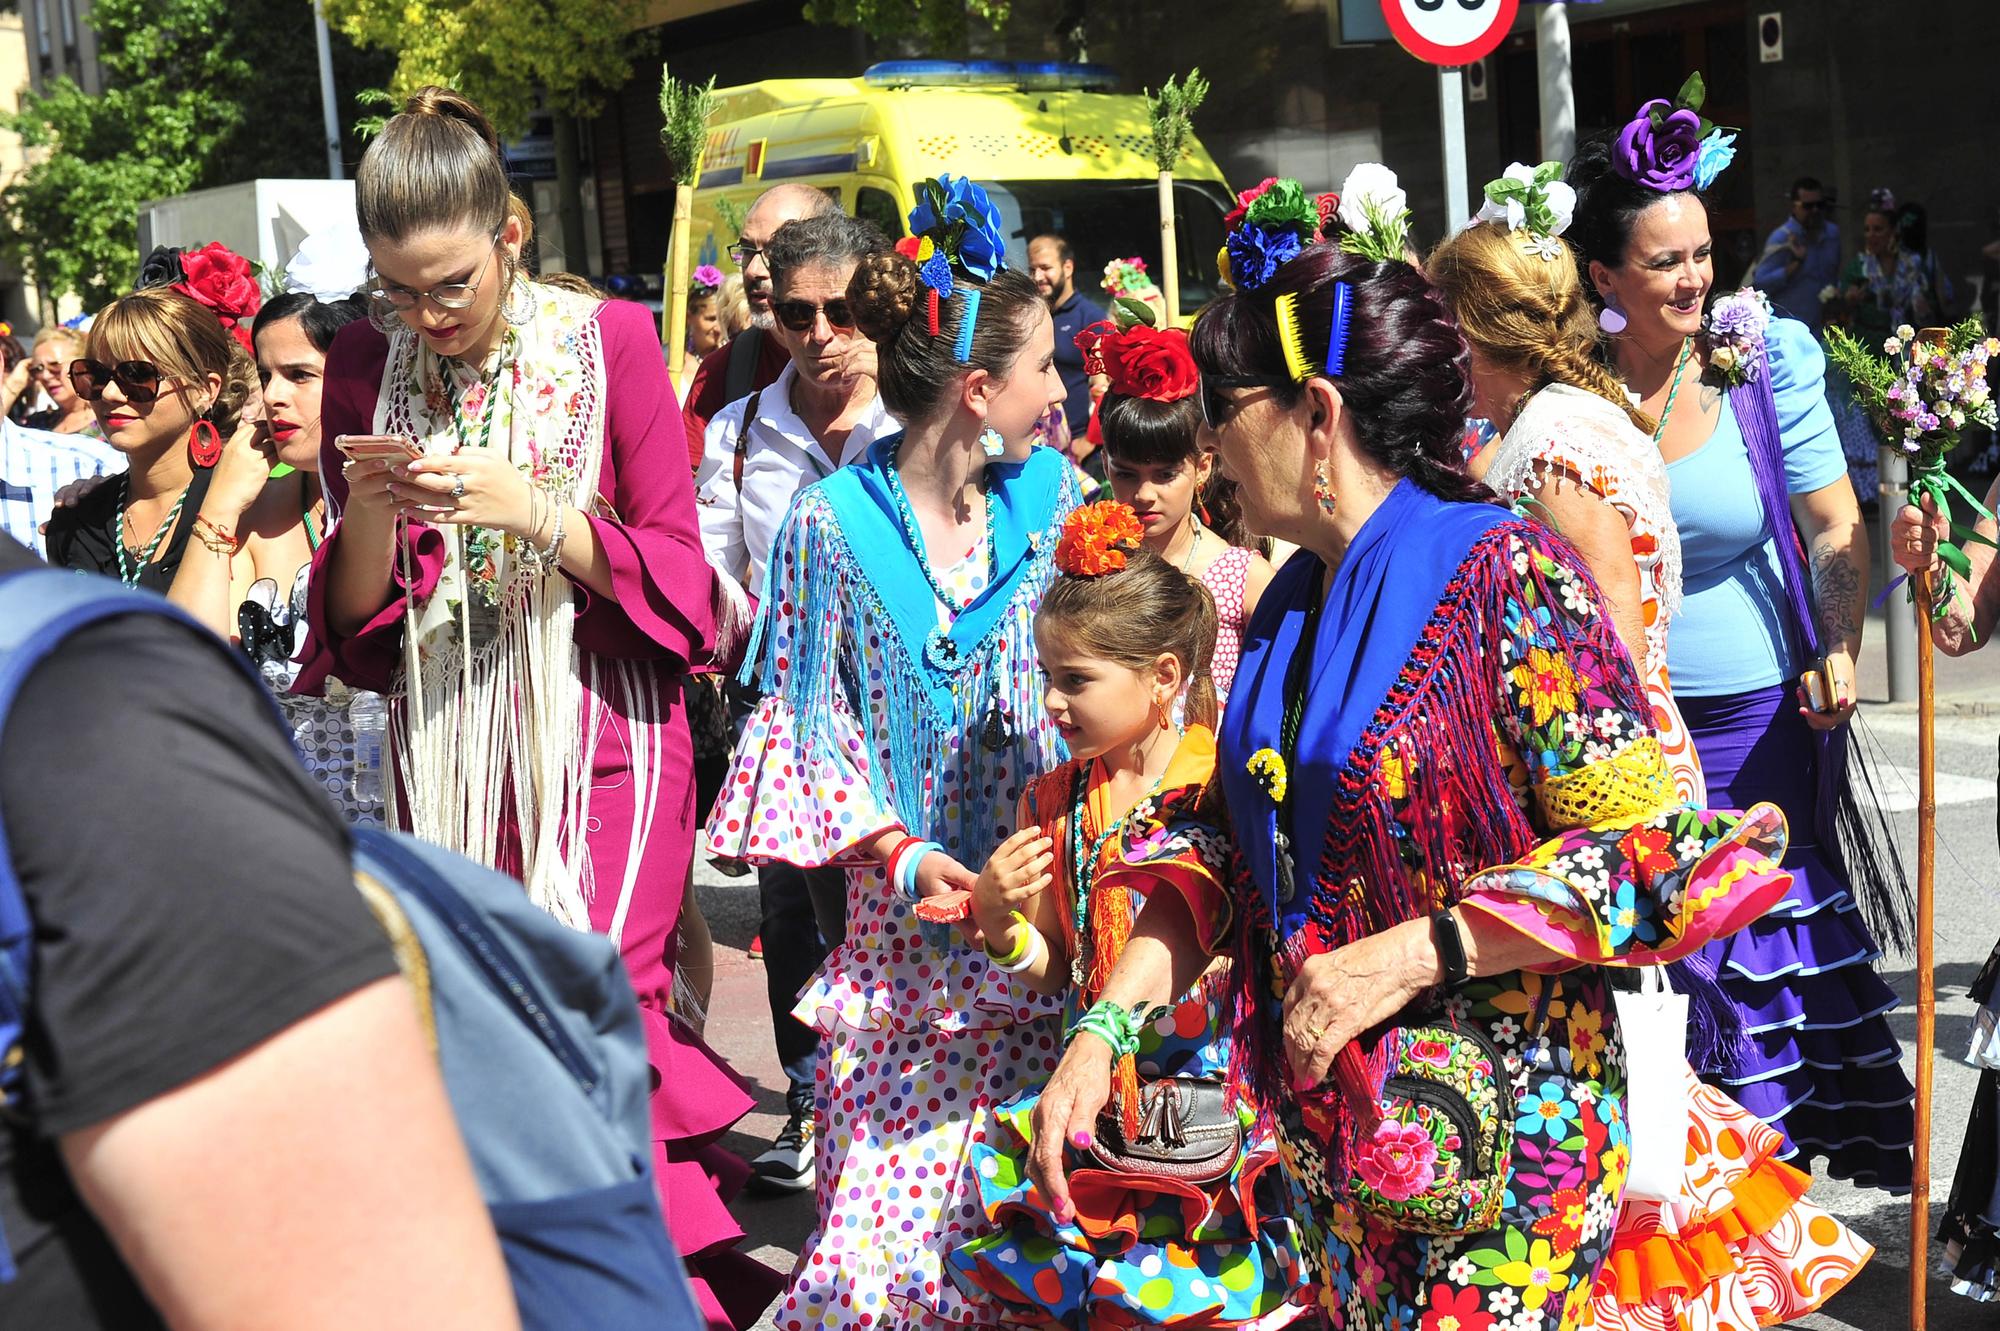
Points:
x=1552 y=68
x=1451 y=112
x=327 y=113
x=1899 y=621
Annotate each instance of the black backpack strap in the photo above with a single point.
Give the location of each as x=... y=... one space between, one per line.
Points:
x=743 y=438
x=745 y=350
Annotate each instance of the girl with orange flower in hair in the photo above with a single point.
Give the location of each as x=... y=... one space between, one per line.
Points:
x=1155 y=463
x=1178 y=1219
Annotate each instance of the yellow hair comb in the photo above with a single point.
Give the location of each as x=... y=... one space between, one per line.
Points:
x=1290 y=340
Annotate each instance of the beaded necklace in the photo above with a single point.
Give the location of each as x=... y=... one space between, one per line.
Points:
x=1086 y=864
x=1687 y=345
x=916 y=538
x=128 y=570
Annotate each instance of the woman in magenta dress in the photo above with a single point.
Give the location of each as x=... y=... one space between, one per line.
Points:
x=545 y=526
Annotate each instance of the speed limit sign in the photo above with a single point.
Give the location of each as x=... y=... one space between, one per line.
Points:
x=1450 y=32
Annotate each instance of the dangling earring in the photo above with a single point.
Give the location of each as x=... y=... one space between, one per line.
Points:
x=205 y=444
x=384 y=317
x=1611 y=319
x=1166 y=713
x=519 y=304
x=990 y=442
x=1323 y=490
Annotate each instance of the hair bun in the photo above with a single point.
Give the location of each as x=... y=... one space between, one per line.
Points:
x=435 y=100
x=884 y=292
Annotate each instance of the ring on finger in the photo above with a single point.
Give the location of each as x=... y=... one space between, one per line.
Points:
x=458 y=485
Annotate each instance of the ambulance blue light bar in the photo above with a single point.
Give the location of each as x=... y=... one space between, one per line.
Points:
x=1050 y=76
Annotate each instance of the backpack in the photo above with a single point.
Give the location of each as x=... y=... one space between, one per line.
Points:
x=535 y=1025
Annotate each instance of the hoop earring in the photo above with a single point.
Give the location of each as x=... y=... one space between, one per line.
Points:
x=990 y=442
x=205 y=444
x=1323 y=490
x=518 y=306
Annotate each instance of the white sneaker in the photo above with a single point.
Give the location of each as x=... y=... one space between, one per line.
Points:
x=788 y=1165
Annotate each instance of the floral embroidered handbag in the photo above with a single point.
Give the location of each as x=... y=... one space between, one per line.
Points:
x=1430 y=1156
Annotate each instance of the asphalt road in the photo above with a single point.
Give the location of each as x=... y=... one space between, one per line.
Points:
x=1967 y=923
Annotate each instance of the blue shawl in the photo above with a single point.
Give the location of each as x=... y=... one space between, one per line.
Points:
x=1383 y=596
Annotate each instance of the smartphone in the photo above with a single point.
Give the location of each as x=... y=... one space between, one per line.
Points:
x=1822 y=695
x=401 y=448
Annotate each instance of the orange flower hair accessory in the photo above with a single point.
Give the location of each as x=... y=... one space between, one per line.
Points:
x=1096 y=537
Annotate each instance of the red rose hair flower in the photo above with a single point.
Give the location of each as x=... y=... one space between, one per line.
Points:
x=1096 y=537
x=908 y=246
x=1149 y=362
x=223 y=280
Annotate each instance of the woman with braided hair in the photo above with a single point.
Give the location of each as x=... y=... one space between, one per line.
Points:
x=1572 y=450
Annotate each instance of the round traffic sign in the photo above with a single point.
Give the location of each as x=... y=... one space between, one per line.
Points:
x=1450 y=32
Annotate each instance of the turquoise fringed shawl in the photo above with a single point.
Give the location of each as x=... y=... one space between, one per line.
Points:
x=843 y=548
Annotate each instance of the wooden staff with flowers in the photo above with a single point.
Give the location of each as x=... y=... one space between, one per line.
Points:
x=1921 y=390
x=1172 y=109
x=684 y=109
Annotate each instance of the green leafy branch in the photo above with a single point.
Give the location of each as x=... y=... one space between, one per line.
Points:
x=685 y=108
x=1172 y=109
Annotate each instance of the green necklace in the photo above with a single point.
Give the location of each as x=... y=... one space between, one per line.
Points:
x=1086 y=864
x=131 y=563
x=1687 y=345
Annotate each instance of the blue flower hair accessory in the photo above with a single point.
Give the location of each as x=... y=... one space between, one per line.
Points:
x=958 y=231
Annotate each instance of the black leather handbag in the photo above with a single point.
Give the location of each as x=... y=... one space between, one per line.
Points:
x=1187 y=1133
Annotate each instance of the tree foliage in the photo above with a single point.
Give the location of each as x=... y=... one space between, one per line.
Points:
x=503 y=54
x=941 y=23
x=198 y=93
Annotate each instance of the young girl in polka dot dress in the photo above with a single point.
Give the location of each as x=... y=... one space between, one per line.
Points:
x=1155 y=463
x=899 y=725
x=1131 y=820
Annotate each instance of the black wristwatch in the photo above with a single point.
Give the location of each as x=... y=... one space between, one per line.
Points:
x=1450 y=949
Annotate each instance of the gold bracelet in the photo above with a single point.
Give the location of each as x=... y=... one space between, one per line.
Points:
x=215 y=536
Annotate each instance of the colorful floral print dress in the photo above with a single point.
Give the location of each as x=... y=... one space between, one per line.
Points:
x=1471 y=731
x=1218 y=1254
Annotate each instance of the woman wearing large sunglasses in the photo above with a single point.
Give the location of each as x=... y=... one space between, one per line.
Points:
x=48 y=370
x=530 y=581
x=167 y=384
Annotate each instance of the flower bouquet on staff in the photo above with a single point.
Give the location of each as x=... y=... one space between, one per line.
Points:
x=1921 y=391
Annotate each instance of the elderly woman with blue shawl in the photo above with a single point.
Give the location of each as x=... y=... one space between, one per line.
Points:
x=900 y=722
x=1451 y=814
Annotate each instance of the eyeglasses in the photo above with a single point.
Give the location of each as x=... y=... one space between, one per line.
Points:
x=446 y=295
x=138 y=379
x=1216 y=409
x=741 y=254
x=45 y=367
x=799 y=315
x=1811 y=205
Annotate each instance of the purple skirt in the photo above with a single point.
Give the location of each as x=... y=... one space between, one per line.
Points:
x=1818 y=1061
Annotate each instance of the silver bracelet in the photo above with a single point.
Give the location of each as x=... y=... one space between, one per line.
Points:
x=552 y=557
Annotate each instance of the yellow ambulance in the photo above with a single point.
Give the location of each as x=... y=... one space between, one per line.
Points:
x=1055 y=149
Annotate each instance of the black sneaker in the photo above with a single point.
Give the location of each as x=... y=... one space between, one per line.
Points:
x=788 y=1165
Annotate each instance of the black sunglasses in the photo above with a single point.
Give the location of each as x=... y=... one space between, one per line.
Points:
x=1217 y=409
x=798 y=315
x=140 y=379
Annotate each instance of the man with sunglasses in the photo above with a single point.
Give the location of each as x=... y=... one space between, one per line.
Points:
x=1802 y=257
x=752 y=359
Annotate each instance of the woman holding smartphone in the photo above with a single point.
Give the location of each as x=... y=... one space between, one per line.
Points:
x=532 y=589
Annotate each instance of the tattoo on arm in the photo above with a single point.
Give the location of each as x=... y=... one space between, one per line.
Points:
x=1837 y=593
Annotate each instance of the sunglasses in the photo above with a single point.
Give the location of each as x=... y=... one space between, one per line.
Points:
x=1216 y=409
x=45 y=367
x=1813 y=205
x=799 y=315
x=139 y=380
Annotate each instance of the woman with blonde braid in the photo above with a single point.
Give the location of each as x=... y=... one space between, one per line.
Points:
x=1572 y=447
x=1575 y=451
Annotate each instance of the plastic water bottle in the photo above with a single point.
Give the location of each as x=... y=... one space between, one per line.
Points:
x=368 y=713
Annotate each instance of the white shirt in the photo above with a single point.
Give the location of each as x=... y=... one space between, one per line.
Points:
x=780 y=458
x=34 y=464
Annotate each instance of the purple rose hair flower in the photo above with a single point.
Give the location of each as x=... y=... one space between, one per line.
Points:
x=1660 y=157
x=1255 y=255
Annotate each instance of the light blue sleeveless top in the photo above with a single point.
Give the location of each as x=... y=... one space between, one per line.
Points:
x=1729 y=636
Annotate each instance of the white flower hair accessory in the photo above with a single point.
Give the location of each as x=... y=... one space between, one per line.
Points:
x=1534 y=199
x=1375 y=212
x=331 y=265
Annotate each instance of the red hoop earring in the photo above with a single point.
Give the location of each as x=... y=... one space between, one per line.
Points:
x=205 y=444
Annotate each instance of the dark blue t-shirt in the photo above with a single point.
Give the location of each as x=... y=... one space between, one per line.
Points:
x=1073 y=317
